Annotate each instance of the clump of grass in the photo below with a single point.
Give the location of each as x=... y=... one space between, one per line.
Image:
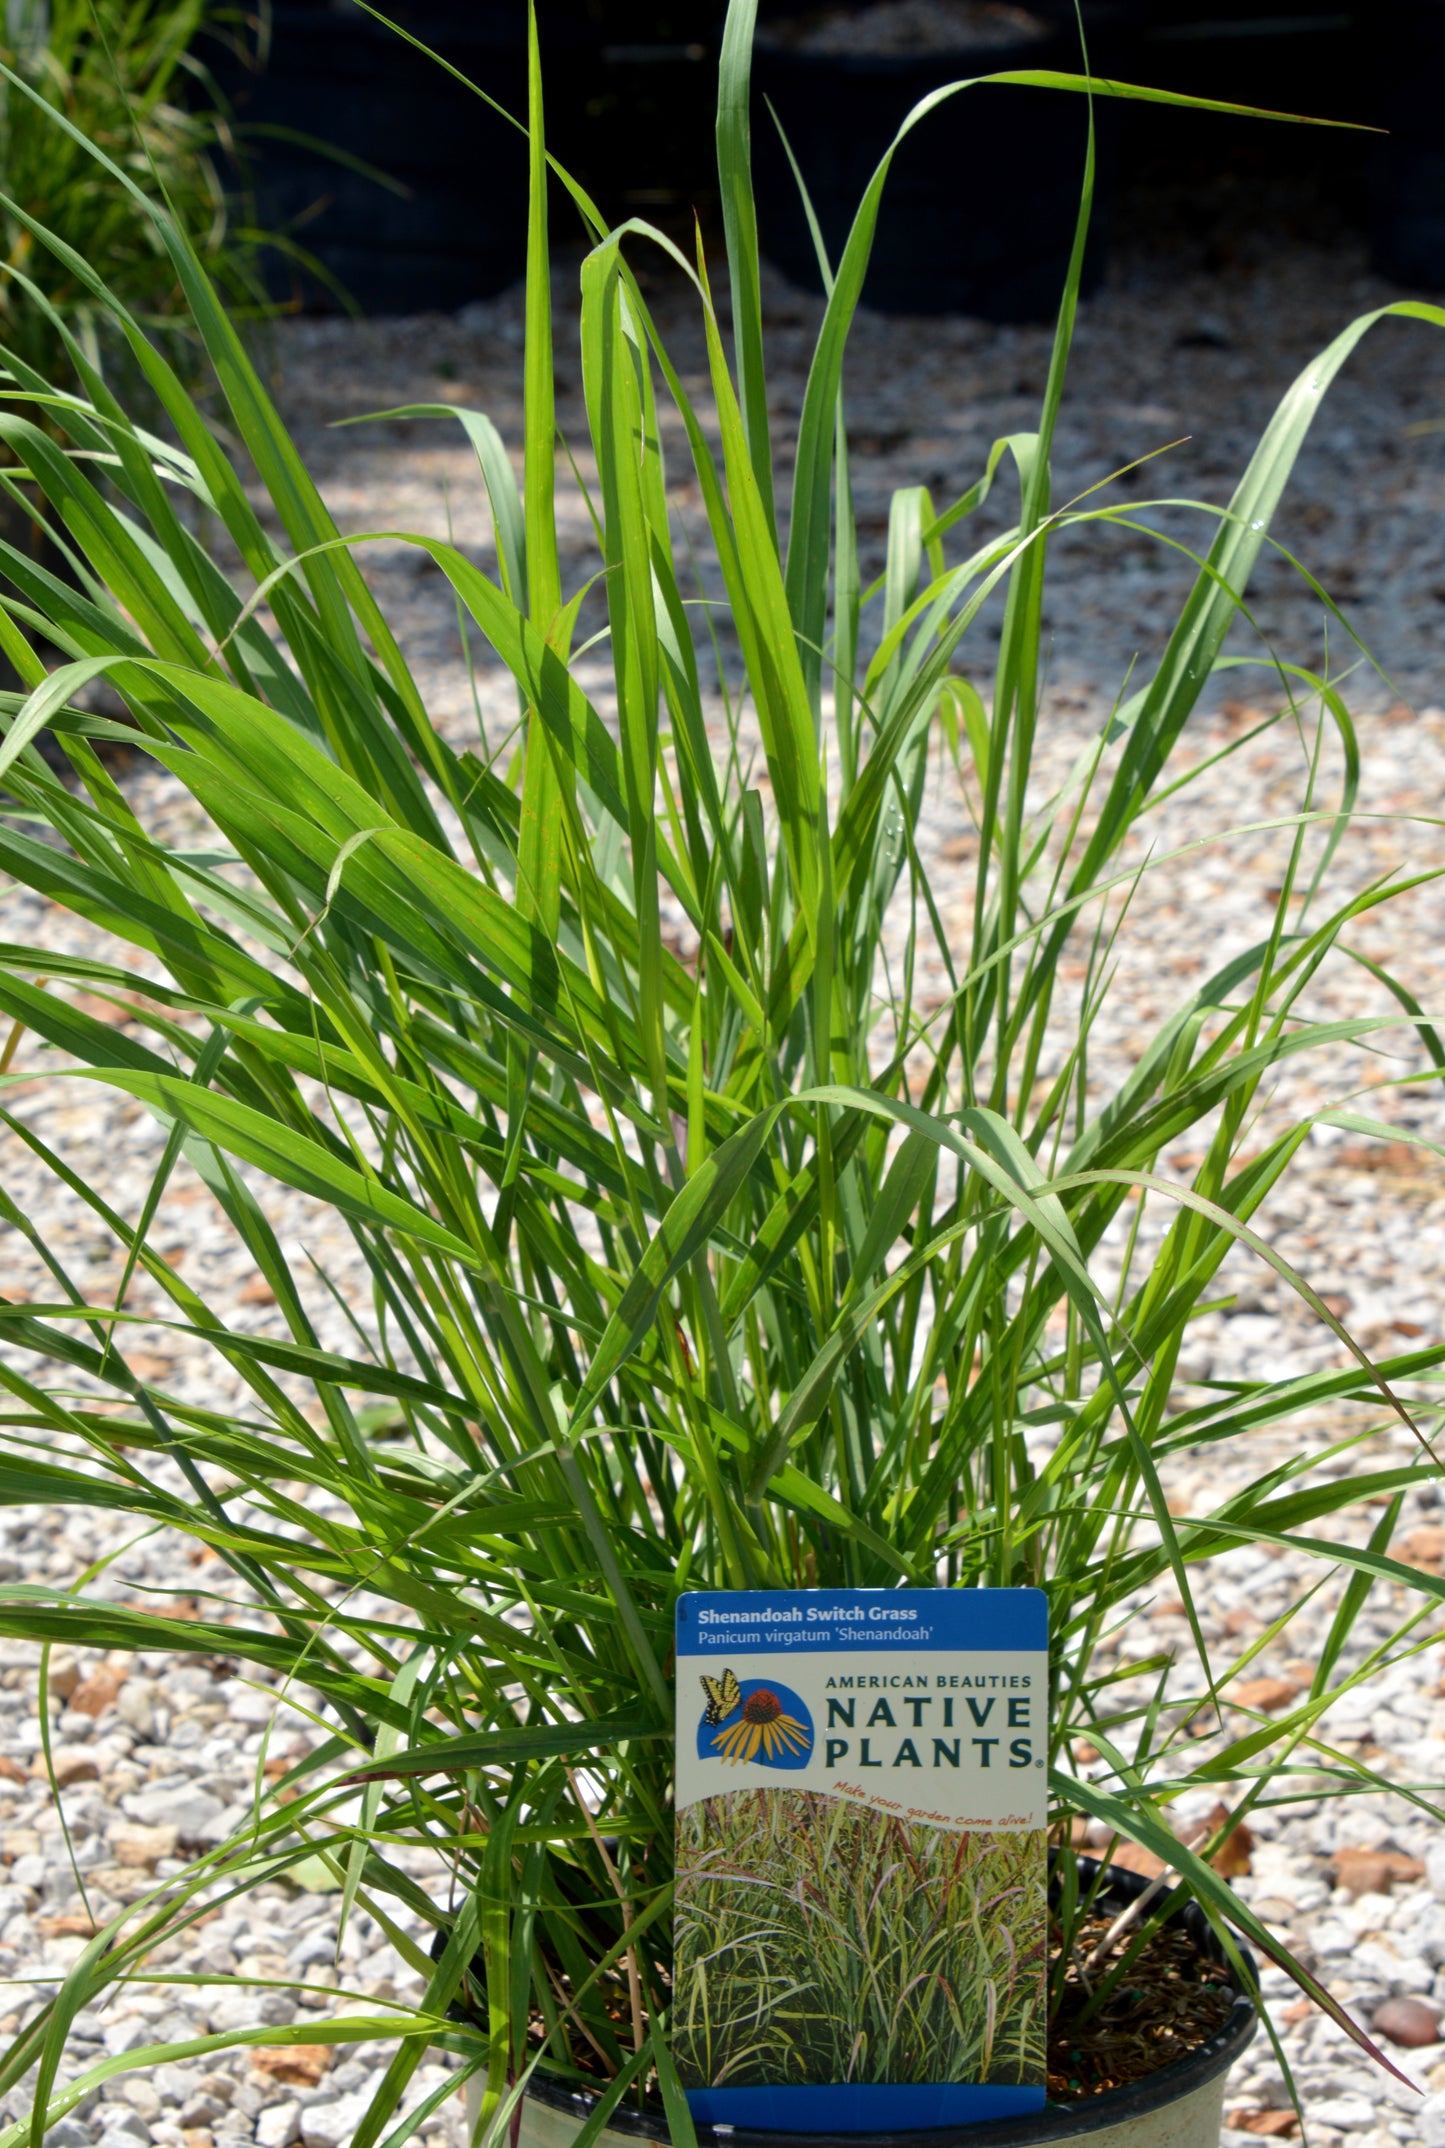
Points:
x=759 y=1265
x=819 y=1941
x=132 y=79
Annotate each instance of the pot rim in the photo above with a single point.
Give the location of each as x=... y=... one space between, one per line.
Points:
x=1056 y=2121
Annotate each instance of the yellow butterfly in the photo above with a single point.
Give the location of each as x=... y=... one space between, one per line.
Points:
x=723 y=1695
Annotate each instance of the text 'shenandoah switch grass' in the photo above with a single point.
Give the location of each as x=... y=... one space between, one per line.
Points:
x=861 y=1912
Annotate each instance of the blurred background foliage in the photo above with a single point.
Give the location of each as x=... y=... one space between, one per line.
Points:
x=135 y=78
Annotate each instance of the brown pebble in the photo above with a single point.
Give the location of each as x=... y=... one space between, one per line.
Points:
x=1231 y=1859
x=1374 y=1871
x=1269 y=1695
x=142 y=1847
x=1132 y=1857
x=299 y=2065
x=77 y=1926
x=64 y=1676
x=97 y=1693
x=68 y=1766
x=1409 y=2022
x=1425 y=1547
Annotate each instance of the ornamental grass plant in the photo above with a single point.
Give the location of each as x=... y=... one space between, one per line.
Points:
x=133 y=80
x=702 y=1248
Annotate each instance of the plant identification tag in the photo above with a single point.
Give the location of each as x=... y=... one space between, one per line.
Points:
x=860 y=1925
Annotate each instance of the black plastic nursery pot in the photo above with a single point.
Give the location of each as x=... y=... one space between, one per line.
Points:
x=980 y=207
x=1180 y=2106
x=1407 y=167
x=343 y=99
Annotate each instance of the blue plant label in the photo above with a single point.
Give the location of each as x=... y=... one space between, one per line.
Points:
x=861 y=1919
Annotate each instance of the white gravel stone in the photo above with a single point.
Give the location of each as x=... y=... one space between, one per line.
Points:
x=1351 y=2114
x=1398 y=1973
x=201 y=2110
x=251 y=2009
x=278 y=2125
x=1435 y=1867
x=119 y=2124
x=318 y=1948
x=1367 y=1913
x=135 y=1706
x=192 y=1813
x=330 y=2124
x=131 y=2034
x=142 y=2096
x=1333 y=1940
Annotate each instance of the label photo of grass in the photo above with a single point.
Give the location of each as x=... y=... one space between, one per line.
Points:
x=819 y=1941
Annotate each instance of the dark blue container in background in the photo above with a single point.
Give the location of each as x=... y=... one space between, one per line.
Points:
x=450 y=223
x=980 y=208
x=1407 y=169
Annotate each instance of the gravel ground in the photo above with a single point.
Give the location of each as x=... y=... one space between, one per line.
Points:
x=164 y=1760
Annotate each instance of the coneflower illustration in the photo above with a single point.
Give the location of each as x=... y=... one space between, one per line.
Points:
x=764 y=1723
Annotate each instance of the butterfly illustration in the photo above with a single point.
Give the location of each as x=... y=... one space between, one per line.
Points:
x=724 y=1694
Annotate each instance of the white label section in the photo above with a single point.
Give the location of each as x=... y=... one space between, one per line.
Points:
x=954 y=1739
